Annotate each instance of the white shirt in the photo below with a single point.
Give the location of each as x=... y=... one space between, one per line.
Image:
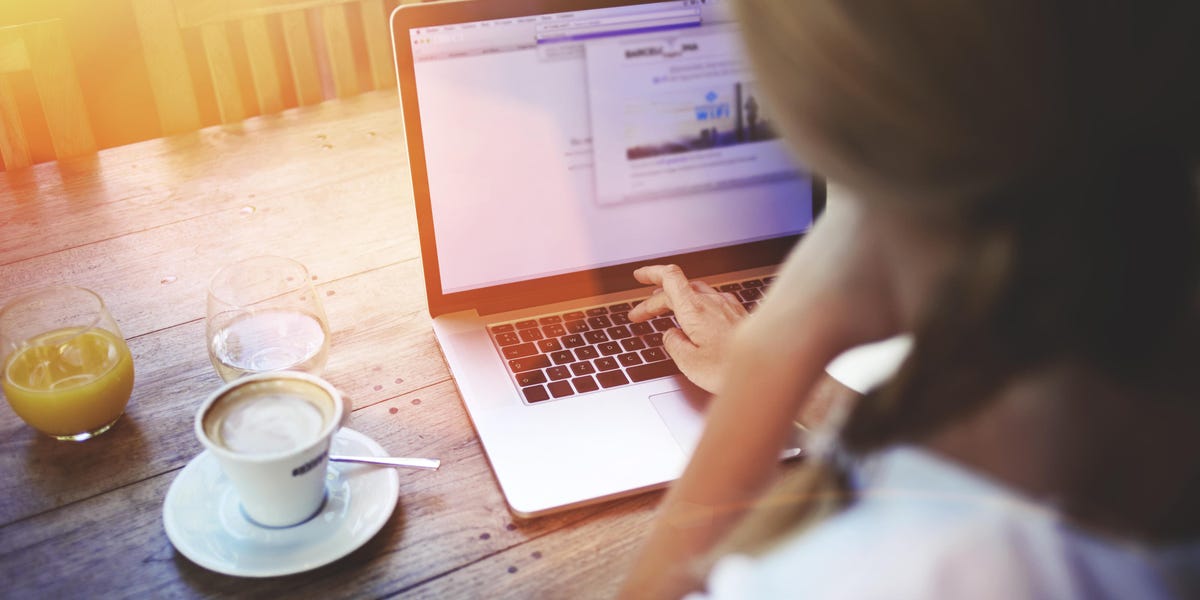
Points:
x=927 y=528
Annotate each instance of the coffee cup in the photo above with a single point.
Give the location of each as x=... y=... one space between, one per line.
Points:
x=270 y=434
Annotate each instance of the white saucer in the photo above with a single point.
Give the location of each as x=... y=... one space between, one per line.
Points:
x=205 y=523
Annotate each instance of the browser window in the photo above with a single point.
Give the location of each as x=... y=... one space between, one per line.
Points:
x=568 y=141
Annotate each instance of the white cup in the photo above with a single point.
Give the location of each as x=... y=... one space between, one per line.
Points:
x=270 y=433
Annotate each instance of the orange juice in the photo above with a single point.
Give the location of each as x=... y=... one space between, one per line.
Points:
x=70 y=383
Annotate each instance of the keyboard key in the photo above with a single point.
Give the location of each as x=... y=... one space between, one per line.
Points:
x=556 y=373
x=507 y=339
x=633 y=344
x=622 y=307
x=573 y=341
x=599 y=322
x=520 y=350
x=595 y=337
x=530 y=335
x=619 y=332
x=558 y=389
x=583 y=368
x=641 y=328
x=529 y=378
x=505 y=328
x=585 y=384
x=753 y=283
x=653 y=355
x=621 y=318
x=562 y=357
x=586 y=353
x=576 y=326
x=769 y=280
x=662 y=324
x=607 y=363
x=654 y=370
x=630 y=359
x=549 y=346
x=610 y=379
x=749 y=306
x=653 y=340
x=750 y=294
x=535 y=393
x=599 y=310
x=553 y=331
x=537 y=361
x=729 y=287
x=550 y=320
x=575 y=315
x=609 y=348
x=526 y=324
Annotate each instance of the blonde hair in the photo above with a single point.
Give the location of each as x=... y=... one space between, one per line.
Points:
x=1058 y=139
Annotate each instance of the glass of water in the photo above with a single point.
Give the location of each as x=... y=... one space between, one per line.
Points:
x=264 y=315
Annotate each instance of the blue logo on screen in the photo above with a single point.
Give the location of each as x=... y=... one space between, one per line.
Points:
x=712 y=111
x=711 y=96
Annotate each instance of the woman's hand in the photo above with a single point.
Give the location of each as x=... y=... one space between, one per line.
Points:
x=706 y=322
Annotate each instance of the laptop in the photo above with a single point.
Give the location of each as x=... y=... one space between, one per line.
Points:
x=555 y=146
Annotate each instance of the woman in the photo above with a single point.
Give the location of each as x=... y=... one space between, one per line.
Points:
x=1024 y=175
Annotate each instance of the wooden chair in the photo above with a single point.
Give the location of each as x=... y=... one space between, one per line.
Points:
x=41 y=47
x=161 y=24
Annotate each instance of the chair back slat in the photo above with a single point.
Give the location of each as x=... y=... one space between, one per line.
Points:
x=223 y=72
x=194 y=13
x=166 y=62
x=161 y=23
x=41 y=48
x=379 y=44
x=267 y=88
x=305 y=75
x=14 y=147
x=341 y=52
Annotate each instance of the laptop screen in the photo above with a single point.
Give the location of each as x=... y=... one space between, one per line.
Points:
x=562 y=142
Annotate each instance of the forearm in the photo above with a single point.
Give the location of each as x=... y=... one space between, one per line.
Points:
x=747 y=426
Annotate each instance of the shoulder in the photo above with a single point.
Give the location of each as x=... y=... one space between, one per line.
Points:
x=926 y=529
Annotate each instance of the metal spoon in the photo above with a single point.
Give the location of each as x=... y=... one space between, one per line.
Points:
x=430 y=464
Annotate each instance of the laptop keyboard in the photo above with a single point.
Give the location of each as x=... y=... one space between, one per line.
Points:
x=596 y=348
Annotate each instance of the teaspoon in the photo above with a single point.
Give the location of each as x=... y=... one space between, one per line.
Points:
x=391 y=461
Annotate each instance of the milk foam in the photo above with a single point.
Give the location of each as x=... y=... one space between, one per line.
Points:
x=268 y=424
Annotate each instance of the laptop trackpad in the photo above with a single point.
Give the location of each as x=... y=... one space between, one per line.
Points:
x=678 y=411
x=686 y=423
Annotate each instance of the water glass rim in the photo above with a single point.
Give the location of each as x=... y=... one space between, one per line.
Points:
x=303 y=281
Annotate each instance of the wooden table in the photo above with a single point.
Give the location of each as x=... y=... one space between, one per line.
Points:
x=146 y=225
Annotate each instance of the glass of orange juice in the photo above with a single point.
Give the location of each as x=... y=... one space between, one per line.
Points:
x=67 y=370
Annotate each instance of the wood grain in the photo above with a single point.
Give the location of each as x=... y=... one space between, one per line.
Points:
x=146 y=225
x=158 y=182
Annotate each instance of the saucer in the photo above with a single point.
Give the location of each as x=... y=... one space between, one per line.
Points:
x=205 y=522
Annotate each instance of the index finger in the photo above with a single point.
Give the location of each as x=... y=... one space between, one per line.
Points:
x=668 y=277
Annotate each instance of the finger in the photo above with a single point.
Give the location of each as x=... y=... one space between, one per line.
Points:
x=703 y=287
x=649 y=308
x=734 y=305
x=678 y=346
x=669 y=277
